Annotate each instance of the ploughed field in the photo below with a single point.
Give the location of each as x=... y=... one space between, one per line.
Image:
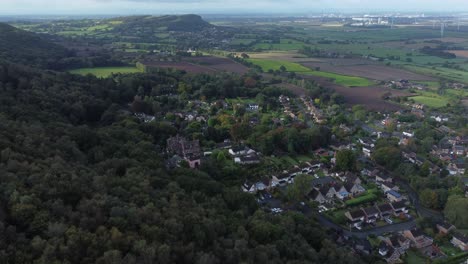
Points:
x=370 y=96
x=205 y=64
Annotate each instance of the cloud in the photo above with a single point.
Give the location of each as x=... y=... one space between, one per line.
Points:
x=221 y=6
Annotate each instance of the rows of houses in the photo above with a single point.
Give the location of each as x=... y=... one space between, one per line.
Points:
x=286 y=103
x=283 y=179
x=316 y=113
x=393 y=247
x=328 y=189
x=372 y=214
x=453 y=151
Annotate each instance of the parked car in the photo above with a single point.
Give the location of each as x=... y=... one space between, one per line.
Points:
x=322 y=209
x=389 y=221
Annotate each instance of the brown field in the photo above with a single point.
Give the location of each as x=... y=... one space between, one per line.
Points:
x=365 y=69
x=370 y=97
x=459 y=53
x=207 y=64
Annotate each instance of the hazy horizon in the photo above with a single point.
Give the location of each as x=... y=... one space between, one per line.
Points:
x=123 y=7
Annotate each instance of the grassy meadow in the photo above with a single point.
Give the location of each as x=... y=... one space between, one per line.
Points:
x=103 y=72
x=350 y=81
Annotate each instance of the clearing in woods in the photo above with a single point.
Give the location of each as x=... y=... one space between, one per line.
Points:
x=103 y=72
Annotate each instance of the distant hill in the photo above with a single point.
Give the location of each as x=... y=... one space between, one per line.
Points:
x=27 y=48
x=148 y=24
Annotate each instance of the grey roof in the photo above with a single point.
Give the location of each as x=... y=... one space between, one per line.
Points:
x=385 y=208
x=371 y=210
x=322 y=181
x=357 y=213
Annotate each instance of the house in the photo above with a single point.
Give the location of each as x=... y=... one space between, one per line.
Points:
x=354 y=189
x=247 y=160
x=328 y=191
x=372 y=214
x=193 y=160
x=460 y=241
x=444 y=228
x=352 y=178
x=417 y=238
x=239 y=151
x=367 y=151
x=188 y=150
x=408 y=134
x=324 y=181
x=440 y=119
x=282 y=179
x=363 y=246
x=383 y=178
x=388 y=253
x=383 y=135
x=399 y=208
x=144 y=117
x=317 y=196
x=394 y=196
x=366 y=142
x=458 y=150
x=387 y=186
x=356 y=217
x=252 y=107
x=418 y=112
x=399 y=243
x=256 y=187
x=457 y=168
x=385 y=210
x=226 y=144
x=340 y=191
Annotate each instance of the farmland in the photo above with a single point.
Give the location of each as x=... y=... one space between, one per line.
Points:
x=103 y=72
x=434 y=102
x=204 y=64
x=275 y=65
x=365 y=69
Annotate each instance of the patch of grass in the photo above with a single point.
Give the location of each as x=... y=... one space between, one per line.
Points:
x=362 y=199
x=103 y=72
x=413 y=257
x=344 y=80
x=434 y=102
x=351 y=81
x=449 y=249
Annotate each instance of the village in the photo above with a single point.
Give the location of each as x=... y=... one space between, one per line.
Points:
x=370 y=209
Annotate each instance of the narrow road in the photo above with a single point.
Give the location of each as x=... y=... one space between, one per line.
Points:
x=364 y=234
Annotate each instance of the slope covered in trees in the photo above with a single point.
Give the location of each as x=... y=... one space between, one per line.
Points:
x=82 y=181
x=148 y=24
x=24 y=47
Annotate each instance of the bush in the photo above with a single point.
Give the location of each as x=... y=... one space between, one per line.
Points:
x=360 y=200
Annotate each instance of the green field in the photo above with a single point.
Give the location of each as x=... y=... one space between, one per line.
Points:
x=434 y=102
x=103 y=72
x=344 y=80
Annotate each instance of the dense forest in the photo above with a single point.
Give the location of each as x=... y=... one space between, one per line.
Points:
x=82 y=181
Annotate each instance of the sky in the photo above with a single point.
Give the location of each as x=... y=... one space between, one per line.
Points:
x=83 y=7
